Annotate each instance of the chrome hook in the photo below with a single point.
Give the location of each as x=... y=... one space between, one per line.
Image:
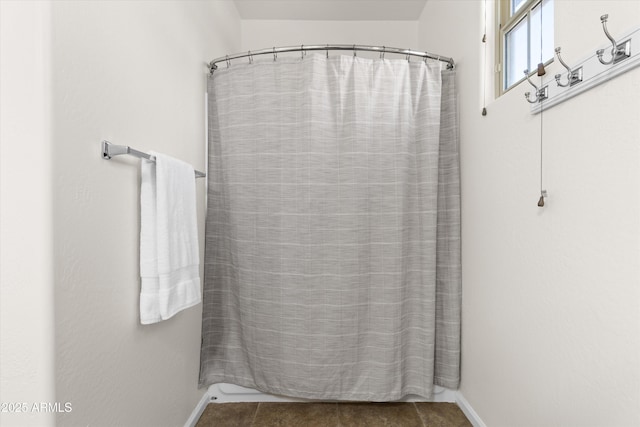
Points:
x=354 y=50
x=573 y=76
x=302 y=52
x=618 y=51
x=228 y=61
x=250 y=57
x=327 y=51
x=384 y=49
x=408 y=56
x=541 y=94
x=275 y=55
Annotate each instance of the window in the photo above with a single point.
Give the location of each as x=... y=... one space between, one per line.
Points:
x=526 y=39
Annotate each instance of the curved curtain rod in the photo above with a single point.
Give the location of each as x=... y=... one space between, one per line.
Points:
x=355 y=47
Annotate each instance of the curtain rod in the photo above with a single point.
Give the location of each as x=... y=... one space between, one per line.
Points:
x=352 y=47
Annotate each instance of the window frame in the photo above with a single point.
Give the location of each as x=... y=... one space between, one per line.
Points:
x=505 y=24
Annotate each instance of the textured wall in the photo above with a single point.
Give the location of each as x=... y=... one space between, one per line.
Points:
x=132 y=73
x=551 y=316
x=259 y=34
x=26 y=249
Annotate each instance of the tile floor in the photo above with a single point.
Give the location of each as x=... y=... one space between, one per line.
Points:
x=419 y=414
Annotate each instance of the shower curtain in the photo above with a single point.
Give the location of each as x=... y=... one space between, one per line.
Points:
x=332 y=261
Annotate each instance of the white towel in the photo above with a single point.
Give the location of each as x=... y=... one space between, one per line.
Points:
x=169 y=252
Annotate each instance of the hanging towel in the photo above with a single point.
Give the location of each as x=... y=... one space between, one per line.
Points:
x=169 y=251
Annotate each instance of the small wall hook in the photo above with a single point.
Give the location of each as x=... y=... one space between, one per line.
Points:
x=573 y=76
x=541 y=94
x=619 y=52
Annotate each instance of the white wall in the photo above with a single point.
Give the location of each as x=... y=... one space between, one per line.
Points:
x=260 y=34
x=551 y=303
x=26 y=248
x=132 y=73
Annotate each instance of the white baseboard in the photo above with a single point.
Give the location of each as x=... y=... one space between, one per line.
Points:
x=199 y=409
x=469 y=412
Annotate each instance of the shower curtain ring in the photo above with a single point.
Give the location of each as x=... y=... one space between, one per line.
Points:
x=302 y=52
x=408 y=56
x=250 y=57
x=327 y=51
x=382 y=53
x=275 y=55
x=228 y=62
x=354 y=50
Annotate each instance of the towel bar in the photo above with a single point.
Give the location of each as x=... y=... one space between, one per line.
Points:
x=110 y=150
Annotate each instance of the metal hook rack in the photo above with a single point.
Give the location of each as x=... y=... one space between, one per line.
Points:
x=589 y=72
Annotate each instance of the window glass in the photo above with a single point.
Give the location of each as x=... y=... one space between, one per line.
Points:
x=542 y=14
x=516 y=53
x=515 y=5
x=526 y=39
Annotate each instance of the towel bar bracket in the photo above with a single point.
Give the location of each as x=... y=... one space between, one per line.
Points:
x=109 y=150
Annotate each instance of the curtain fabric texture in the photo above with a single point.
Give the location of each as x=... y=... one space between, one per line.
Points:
x=332 y=261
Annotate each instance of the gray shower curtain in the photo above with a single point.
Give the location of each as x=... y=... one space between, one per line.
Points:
x=332 y=261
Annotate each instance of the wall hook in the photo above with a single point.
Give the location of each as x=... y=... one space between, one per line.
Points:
x=573 y=76
x=541 y=94
x=619 y=52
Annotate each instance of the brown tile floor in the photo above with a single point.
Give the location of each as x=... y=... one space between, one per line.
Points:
x=420 y=414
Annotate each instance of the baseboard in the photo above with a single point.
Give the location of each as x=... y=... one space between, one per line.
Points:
x=469 y=412
x=198 y=410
